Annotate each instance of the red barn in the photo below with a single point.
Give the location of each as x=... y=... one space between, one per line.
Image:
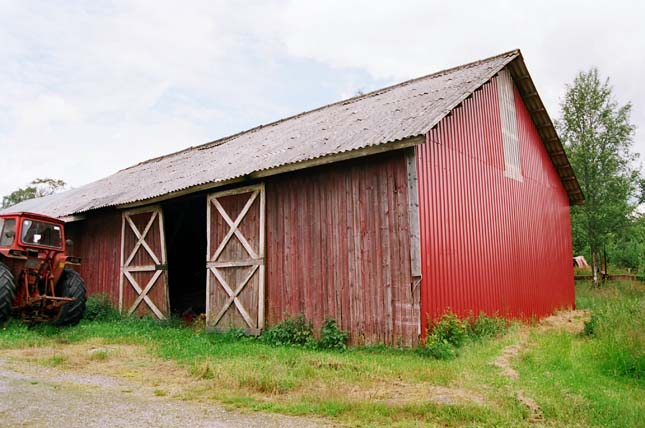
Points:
x=446 y=192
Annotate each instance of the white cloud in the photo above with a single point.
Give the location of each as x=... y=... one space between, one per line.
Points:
x=91 y=87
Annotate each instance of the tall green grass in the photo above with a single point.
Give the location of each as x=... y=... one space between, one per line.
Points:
x=595 y=378
x=617 y=327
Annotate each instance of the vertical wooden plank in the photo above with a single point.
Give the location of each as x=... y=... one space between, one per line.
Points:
x=413 y=212
x=164 y=274
x=123 y=215
x=317 y=207
x=208 y=258
x=337 y=270
x=408 y=318
x=356 y=283
x=261 y=273
x=385 y=224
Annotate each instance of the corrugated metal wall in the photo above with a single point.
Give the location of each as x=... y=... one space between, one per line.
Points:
x=491 y=243
x=97 y=241
x=338 y=245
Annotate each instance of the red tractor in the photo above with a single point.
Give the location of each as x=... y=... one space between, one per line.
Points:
x=37 y=283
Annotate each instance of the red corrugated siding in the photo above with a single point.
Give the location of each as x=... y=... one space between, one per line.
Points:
x=491 y=243
x=97 y=241
x=338 y=244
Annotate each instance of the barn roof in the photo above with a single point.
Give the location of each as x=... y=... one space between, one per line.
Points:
x=379 y=119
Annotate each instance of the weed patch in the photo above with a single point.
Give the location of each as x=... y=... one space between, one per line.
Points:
x=616 y=330
x=449 y=329
x=298 y=331
x=100 y=355
x=483 y=327
x=294 y=331
x=202 y=370
x=54 y=361
x=99 y=308
x=332 y=337
x=449 y=333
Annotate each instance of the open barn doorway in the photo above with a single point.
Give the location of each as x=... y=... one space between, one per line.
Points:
x=185 y=227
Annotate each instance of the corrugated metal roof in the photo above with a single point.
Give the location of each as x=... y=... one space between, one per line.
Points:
x=388 y=115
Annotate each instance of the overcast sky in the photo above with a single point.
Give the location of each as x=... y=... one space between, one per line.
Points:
x=90 y=87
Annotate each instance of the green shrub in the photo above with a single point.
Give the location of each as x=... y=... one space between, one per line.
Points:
x=332 y=337
x=438 y=349
x=444 y=336
x=449 y=329
x=292 y=331
x=449 y=333
x=484 y=326
x=99 y=308
x=590 y=326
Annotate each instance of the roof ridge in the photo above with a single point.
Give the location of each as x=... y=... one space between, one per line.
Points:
x=226 y=139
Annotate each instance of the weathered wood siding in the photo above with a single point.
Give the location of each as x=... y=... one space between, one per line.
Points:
x=338 y=244
x=97 y=241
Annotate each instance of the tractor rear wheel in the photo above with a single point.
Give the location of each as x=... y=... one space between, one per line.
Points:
x=71 y=284
x=7 y=292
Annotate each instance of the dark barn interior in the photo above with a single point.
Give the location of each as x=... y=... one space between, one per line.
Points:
x=185 y=231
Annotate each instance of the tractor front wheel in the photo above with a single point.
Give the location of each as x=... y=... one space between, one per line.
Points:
x=7 y=292
x=71 y=284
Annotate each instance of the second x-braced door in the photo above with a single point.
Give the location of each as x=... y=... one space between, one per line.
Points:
x=235 y=259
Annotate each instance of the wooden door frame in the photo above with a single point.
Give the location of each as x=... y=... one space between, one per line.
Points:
x=160 y=266
x=233 y=230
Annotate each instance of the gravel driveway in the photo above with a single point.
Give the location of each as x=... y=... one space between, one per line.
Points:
x=33 y=396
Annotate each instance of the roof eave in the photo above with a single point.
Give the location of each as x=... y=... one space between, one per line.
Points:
x=291 y=167
x=546 y=130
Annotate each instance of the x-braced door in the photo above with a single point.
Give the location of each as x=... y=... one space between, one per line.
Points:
x=144 y=280
x=235 y=259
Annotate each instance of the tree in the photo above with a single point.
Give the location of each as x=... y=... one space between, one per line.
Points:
x=36 y=189
x=628 y=249
x=598 y=137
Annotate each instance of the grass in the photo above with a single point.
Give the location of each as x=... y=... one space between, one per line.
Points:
x=357 y=387
x=592 y=380
x=578 y=380
x=53 y=361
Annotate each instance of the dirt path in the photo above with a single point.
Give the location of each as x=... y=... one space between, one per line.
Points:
x=571 y=321
x=34 y=396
